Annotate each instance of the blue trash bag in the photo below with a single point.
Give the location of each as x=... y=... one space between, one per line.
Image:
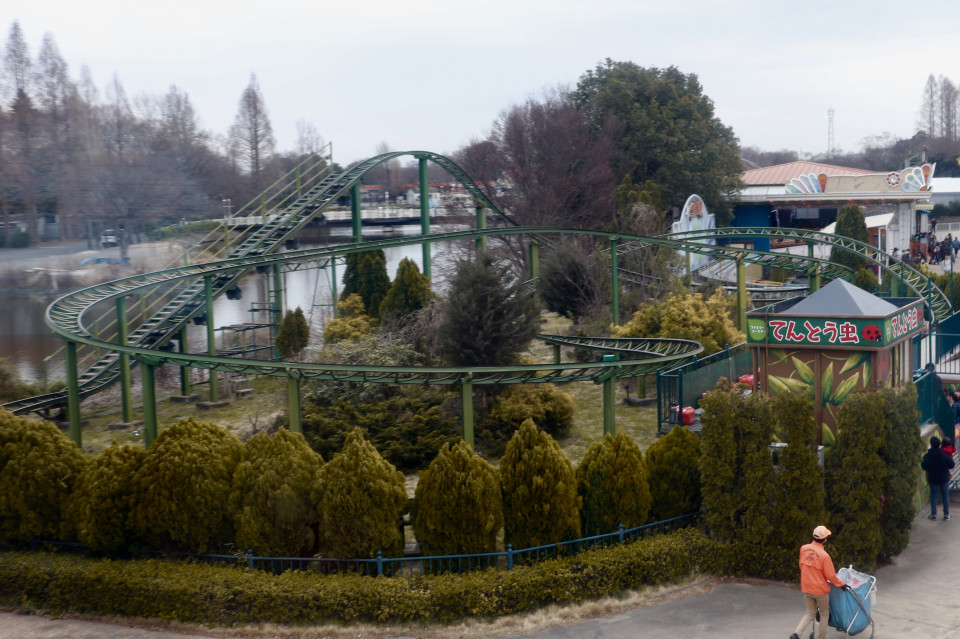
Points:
x=846 y=613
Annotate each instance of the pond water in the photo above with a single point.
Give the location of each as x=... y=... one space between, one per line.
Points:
x=25 y=339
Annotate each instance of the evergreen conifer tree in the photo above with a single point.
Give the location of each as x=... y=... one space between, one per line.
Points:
x=719 y=466
x=851 y=224
x=459 y=506
x=901 y=448
x=104 y=499
x=271 y=495
x=366 y=275
x=488 y=316
x=359 y=498
x=293 y=334
x=856 y=476
x=799 y=505
x=39 y=467
x=183 y=488
x=613 y=487
x=540 y=502
x=409 y=293
x=673 y=474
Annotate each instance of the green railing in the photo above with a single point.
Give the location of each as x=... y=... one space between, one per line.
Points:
x=684 y=385
x=415 y=566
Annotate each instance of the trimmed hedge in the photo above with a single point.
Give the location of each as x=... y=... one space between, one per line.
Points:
x=196 y=593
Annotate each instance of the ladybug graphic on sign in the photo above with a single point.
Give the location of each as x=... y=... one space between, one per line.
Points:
x=871 y=333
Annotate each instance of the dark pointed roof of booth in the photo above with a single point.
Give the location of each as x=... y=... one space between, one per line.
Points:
x=841 y=298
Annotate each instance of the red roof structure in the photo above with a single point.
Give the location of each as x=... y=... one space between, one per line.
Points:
x=780 y=174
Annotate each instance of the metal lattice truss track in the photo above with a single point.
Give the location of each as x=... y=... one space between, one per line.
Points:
x=915 y=281
x=181 y=292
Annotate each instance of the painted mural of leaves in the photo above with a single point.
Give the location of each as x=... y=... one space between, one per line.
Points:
x=786 y=385
x=865 y=372
x=826 y=435
x=826 y=383
x=779 y=355
x=846 y=387
x=855 y=360
x=803 y=370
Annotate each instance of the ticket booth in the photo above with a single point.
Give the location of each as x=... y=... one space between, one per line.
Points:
x=833 y=342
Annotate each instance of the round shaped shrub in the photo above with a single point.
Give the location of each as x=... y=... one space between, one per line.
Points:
x=271 y=495
x=360 y=498
x=39 y=466
x=550 y=408
x=183 y=488
x=104 y=499
x=459 y=507
x=540 y=502
x=674 y=475
x=612 y=483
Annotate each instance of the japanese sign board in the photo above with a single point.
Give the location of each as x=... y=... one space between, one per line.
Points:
x=837 y=332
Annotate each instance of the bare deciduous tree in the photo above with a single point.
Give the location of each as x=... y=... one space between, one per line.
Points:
x=251 y=135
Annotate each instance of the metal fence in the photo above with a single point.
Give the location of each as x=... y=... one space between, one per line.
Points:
x=684 y=385
x=414 y=566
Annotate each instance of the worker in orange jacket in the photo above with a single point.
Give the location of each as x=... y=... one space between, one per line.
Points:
x=816 y=575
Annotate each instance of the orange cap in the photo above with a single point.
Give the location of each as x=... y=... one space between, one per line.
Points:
x=821 y=532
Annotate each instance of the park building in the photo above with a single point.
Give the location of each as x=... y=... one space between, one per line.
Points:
x=809 y=195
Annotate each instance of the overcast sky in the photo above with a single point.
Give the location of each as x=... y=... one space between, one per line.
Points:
x=432 y=75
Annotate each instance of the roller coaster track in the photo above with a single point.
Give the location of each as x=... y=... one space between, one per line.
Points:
x=65 y=317
x=179 y=293
x=915 y=281
x=287 y=216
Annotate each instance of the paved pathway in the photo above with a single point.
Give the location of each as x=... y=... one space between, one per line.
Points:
x=916 y=597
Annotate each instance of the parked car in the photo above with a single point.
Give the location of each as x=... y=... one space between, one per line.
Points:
x=109 y=238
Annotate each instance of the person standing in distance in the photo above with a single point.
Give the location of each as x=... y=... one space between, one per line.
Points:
x=938 y=464
x=816 y=575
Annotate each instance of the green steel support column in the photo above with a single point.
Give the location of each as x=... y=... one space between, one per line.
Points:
x=293 y=404
x=609 y=401
x=813 y=275
x=425 y=216
x=466 y=408
x=615 y=280
x=687 y=263
x=278 y=305
x=186 y=385
x=741 y=294
x=126 y=405
x=211 y=340
x=556 y=353
x=73 y=394
x=150 y=403
x=356 y=219
x=299 y=187
x=481 y=242
x=534 y=258
x=333 y=284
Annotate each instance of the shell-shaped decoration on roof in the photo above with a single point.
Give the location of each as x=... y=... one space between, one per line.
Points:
x=917 y=178
x=808 y=183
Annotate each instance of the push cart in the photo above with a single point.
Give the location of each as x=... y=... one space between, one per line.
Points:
x=850 y=609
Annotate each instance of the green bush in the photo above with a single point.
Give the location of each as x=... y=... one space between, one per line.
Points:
x=673 y=474
x=408 y=429
x=20 y=239
x=459 y=509
x=855 y=480
x=293 y=334
x=271 y=492
x=39 y=467
x=540 y=502
x=550 y=408
x=360 y=498
x=183 y=488
x=901 y=448
x=207 y=594
x=103 y=499
x=613 y=486
x=409 y=293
